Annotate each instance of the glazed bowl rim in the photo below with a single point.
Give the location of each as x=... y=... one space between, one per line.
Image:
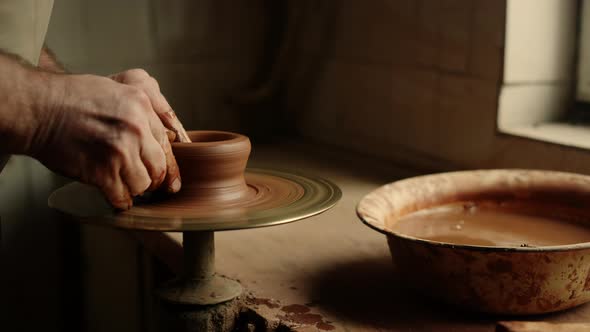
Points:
x=389 y=233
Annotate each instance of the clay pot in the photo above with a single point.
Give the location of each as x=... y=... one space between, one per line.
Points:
x=501 y=280
x=212 y=166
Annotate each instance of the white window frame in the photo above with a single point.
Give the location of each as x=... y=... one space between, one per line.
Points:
x=539 y=83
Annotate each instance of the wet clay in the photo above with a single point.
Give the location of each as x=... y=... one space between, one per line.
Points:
x=213 y=167
x=491 y=224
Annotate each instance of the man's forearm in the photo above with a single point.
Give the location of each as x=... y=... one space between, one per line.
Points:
x=48 y=61
x=27 y=96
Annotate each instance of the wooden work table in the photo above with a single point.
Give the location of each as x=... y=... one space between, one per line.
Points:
x=332 y=263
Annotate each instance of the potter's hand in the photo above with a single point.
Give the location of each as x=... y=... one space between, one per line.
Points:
x=106 y=134
x=140 y=79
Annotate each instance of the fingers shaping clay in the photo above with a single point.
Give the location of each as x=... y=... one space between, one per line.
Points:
x=213 y=168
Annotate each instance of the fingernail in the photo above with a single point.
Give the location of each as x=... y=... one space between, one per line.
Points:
x=176 y=185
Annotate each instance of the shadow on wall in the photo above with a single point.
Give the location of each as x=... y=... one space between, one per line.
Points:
x=314 y=36
x=298 y=25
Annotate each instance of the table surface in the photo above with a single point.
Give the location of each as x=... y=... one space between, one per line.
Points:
x=332 y=265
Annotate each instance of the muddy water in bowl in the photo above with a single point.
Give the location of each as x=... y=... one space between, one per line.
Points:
x=496 y=241
x=491 y=223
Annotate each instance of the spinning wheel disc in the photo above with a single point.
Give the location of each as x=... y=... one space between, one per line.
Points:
x=273 y=198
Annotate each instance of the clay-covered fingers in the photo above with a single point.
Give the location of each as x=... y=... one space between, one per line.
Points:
x=150 y=151
x=109 y=135
x=160 y=123
x=144 y=161
x=138 y=163
x=164 y=125
x=171 y=178
x=154 y=160
x=116 y=191
x=135 y=176
x=172 y=182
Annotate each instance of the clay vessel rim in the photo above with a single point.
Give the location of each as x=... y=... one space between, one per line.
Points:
x=363 y=211
x=211 y=138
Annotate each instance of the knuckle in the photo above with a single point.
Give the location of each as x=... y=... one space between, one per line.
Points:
x=117 y=151
x=133 y=113
x=135 y=94
x=138 y=72
x=142 y=100
x=136 y=103
x=121 y=148
x=132 y=126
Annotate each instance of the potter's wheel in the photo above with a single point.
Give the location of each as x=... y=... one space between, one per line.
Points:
x=217 y=194
x=273 y=198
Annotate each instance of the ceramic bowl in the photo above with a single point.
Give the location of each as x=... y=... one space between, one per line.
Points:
x=499 y=280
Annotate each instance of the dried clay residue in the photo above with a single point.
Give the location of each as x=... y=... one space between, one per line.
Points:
x=261 y=301
x=295 y=309
x=300 y=314
x=325 y=326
